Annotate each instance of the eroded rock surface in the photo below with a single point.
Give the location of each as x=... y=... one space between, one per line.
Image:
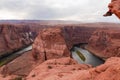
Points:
x=53 y=43
x=67 y=69
x=50 y=43
x=57 y=69
x=20 y=66
x=105 y=43
x=14 y=37
x=57 y=42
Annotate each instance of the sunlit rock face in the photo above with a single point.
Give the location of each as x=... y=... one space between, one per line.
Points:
x=114 y=8
x=49 y=44
x=57 y=69
x=68 y=69
x=57 y=42
x=105 y=43
x=14 y=37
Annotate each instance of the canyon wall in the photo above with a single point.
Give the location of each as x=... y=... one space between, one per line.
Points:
x=57 y=42
x=105 y=43
x=14 y=37
x=78 y=34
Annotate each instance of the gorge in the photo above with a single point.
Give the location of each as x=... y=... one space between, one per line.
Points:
x=60 y=50
x=54 y=42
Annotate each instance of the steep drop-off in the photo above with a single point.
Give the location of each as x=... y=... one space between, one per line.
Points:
x=105 y=43
x=57 y=42
x=68 y=69
x=15 y=37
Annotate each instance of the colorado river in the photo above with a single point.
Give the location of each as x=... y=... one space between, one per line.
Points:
x=90 y=58
x=11 y=57
x=24 y=50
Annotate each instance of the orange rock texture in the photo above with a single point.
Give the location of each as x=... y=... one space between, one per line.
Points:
x=105 y=43
x=50 y=43
x=14 y=37
x=57 y=42
x=68 y=69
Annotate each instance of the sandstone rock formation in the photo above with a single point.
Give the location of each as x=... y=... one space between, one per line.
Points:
x=77 y=34
x=114 y=8
x=50 y=43
x=67 y=69
x=56 y=69
x=57 y=42
x=105 y=43
x=20 y=66
x=14 y=37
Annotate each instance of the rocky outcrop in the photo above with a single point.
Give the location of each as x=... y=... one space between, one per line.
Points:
x=105 y=43
x=14 y=37
x=20 y=66
x=57 y=42
x=67 y=69
x=56 y=69
x=50 y=43
x=114 y=8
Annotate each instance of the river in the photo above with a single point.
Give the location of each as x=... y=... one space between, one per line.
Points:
x=24 y=50
x=11 y=57
x=90 y=58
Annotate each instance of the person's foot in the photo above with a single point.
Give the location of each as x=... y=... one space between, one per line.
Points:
x=114 y=8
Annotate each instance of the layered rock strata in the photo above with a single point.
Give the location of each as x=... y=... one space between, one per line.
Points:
x=57 y=42
x=14 y=37
x=105 y=43
x=50 y=43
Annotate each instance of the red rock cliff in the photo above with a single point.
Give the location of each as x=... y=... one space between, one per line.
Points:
x=105 y=43
x=50 y=43
x=57 y=42
x=14 y=37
